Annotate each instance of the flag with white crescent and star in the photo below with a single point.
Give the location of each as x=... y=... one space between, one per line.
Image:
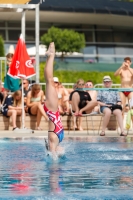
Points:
x=21 y=66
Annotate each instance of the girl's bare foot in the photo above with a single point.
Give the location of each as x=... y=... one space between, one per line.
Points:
x=46 y=118
x=51 y=50
x=80 y=128
x=80 y=113
x=38 y=128
x=74 y=127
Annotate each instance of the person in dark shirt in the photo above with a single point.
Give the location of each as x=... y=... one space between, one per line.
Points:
x=1 y=100
x=81 y=100
x=26 y=89
x=12 y=106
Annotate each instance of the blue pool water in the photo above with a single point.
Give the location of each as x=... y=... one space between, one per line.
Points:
x=93 y=168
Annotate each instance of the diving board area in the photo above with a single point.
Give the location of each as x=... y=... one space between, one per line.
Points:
x=14 y=1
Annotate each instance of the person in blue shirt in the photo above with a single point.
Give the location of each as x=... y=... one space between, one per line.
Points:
x=12 y=107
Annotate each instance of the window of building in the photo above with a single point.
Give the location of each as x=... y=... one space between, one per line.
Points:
x=2 y=33
x=87 y=26
x=123 y=36
x=14 y=24
x=88 y=35
x=104 y=36
x=14 y=34
x=30 y=25
x=109 y=50
x=105 y=50
x=124 y=50
x=89 y=50
x=101 y=27
x=2 y=24
x=30 y=35
x=42 y=32
x=44 y=25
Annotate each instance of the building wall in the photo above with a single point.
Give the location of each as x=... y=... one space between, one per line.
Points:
x=104 y=43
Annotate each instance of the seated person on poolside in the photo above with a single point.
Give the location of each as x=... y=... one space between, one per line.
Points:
x=12 y=106
x=110 y=102
x=63 y=97
x=26 y=89
x=77 y=120
x=35 y=101
x=93 y=93
x=81 y=100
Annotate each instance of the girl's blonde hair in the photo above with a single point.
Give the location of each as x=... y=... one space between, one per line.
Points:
x=34 y=88
x=80 y=80
x=17 y=102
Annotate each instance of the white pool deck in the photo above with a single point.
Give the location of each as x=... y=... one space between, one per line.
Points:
x=44 y=134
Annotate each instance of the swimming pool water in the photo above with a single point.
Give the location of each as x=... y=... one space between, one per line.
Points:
x=93 y=168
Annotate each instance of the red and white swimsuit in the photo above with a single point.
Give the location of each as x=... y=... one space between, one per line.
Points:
x=56 y=119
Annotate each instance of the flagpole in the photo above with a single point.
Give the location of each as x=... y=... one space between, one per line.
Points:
x=23 y=114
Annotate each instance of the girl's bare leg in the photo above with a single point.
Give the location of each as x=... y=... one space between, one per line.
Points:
x=75 y=102
x=13 y=114
x=80 y=122
x=40 y=107
x=51 y=96
x=89 y=107
x=39 y=116
x=119 y=117
x=106 y=118
x=50 y=92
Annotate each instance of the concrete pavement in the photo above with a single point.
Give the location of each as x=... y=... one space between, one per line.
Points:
x=43 y=134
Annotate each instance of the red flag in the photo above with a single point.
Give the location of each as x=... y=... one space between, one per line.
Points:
x=21 y=66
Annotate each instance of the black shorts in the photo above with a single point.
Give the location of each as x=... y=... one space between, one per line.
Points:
x=4 y=112
x=29 y=111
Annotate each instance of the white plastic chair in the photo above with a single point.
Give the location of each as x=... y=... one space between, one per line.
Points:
x=102 y=115
x=83 y=115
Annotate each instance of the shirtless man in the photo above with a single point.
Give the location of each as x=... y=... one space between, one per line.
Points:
x=126 y=75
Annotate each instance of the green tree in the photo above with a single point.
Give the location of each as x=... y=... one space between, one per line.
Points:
x=65 y=40
x=2 y=52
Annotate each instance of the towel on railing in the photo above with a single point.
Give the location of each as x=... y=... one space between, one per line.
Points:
x=128 y=119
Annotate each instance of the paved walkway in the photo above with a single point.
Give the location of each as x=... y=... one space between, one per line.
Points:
x=43 y=134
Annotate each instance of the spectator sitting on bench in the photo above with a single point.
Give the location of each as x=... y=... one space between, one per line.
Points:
x=63 y=97
x=12 y=106
x=26 y=89
x=81 y=101
x=110 y=102
x=35 y=100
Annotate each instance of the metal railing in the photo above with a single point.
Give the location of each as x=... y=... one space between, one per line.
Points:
x=70 y=85
x=99 y=85
x=67 y=85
